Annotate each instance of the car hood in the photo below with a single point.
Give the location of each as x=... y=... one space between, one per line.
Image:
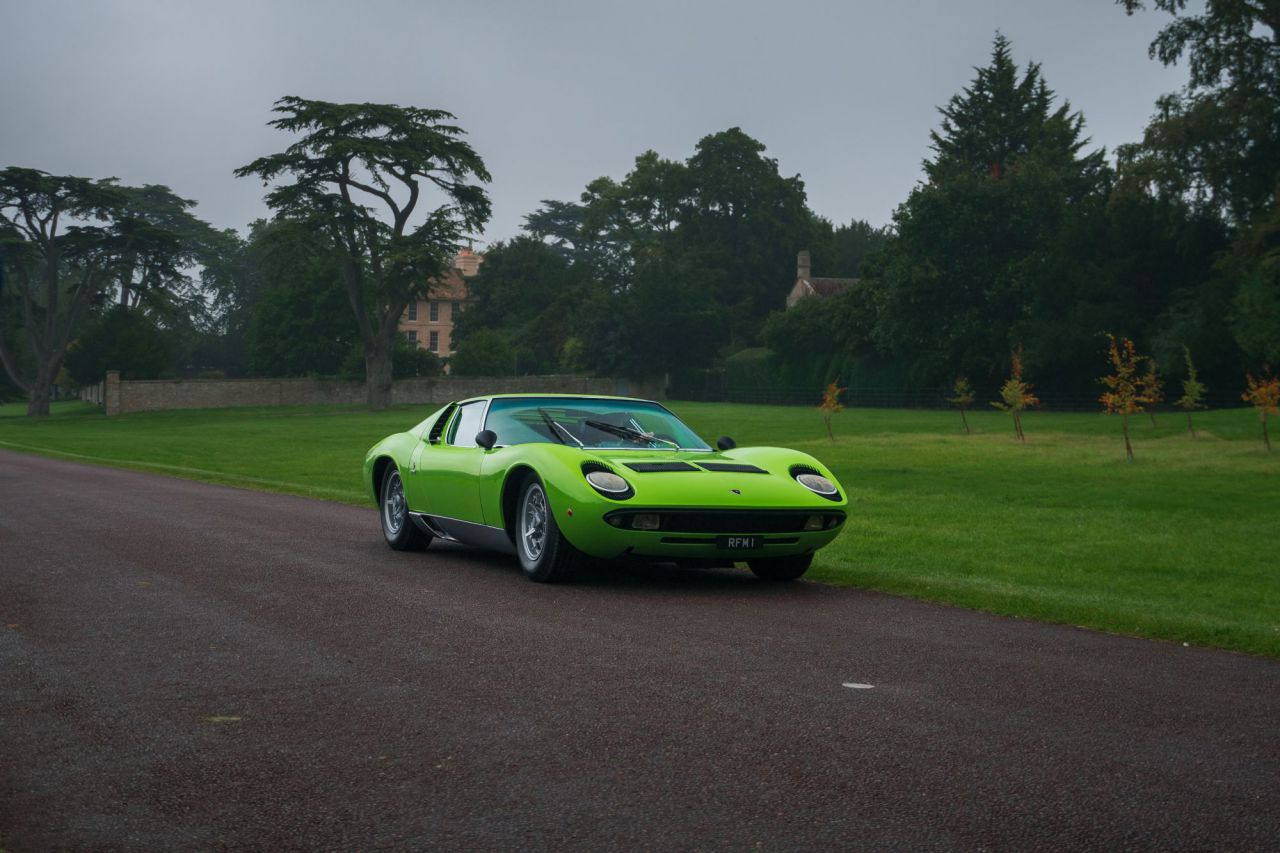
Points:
x=764 y=480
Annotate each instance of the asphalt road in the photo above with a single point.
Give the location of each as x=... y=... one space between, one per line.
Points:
x=191 y=666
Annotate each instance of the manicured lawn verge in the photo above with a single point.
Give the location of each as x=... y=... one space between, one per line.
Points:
x=1179 y=545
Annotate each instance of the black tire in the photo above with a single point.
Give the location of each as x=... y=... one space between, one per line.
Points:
x=781 y=568
x=545 y=555
x=398 y=529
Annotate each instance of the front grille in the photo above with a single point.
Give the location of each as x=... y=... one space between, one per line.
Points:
x=732 y=467
x=727 y=521
x=654 y=467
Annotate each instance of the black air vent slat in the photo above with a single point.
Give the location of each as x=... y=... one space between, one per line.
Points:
x=733 y=467
x=654 y=467
x=728 y=521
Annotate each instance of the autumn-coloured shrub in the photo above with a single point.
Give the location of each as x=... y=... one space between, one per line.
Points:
x=1264 y=394
x=1127 y=393
x=830 y=405
x=962 y=400
x=1015 y=395
x=1193 y=391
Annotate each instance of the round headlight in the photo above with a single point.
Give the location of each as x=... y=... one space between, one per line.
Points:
x=607 y=481
x=817 y=483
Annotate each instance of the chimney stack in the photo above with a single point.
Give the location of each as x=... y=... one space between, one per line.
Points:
x=802 y=264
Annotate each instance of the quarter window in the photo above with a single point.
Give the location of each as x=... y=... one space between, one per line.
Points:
x=466 y=424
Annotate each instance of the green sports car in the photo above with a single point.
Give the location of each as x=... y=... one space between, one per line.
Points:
x=554 y=478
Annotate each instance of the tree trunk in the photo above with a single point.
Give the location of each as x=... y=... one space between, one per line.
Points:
x=41 y=391
x=1153 y=418
x=1266 y=438
x=38 y=403
x=827 y=420
x=1128 y=448
x=377 y=366
x=964 y=421
x=1190 y=426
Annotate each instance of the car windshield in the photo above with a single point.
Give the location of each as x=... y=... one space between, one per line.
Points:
x=586 y=422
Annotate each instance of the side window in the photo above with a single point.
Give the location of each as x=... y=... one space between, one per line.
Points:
x=466 y=424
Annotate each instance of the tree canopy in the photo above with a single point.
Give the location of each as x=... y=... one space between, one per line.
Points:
x=394 y=190
x=69 y=244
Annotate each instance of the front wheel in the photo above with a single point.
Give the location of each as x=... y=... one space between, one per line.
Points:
x=400 y=531
x=545 y=555
x=781 y=568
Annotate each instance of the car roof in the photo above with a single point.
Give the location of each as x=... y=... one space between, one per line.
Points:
x=545 y=394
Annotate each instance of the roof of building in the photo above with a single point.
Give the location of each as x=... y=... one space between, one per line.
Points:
x=451 y=286
x=824 y=287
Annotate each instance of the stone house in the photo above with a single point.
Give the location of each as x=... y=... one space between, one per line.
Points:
x=809 y=287
x=428 y=323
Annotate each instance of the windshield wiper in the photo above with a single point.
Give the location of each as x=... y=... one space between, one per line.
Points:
x=553 y=425
x=629 y=433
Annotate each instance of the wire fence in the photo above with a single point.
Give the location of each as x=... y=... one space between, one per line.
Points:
x=714 y=390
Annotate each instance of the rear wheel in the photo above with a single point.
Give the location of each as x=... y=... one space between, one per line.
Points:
x=545 y=555
x=781 y=568
x=400 y=531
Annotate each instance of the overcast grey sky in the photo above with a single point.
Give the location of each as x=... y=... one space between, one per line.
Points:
x=552 y=94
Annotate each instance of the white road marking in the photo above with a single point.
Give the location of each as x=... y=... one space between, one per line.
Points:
x=857 y=686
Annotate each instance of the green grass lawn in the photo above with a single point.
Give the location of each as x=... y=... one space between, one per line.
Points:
x=1180 y=544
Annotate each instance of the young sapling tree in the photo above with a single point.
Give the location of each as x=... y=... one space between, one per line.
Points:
x=1193 y=391
x=1015 y=395
x=830 y=405
x=1264 y=394
x=962 y=400
x=1126 y=390
x=1150 y=390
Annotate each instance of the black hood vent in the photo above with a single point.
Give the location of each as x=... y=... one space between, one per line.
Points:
x=654 y=467
x=733 y=467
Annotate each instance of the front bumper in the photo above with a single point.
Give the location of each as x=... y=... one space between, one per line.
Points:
x=702 y=533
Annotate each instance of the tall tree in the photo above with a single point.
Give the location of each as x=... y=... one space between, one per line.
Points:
x=1002 y=119
x=839 y=251
x=358 y=175
x=1218 y=139
x=533 y=295
x=974 y=247
x=67 y=243
x=299 y=323
x=743 y=224
x=1216 y=144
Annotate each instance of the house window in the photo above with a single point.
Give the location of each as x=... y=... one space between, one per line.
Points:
x=454 y=310
x=434 y=345
x=435 y=311
x=413 y=310
x=411 y=337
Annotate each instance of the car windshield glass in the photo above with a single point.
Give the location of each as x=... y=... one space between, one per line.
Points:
x=592 y=423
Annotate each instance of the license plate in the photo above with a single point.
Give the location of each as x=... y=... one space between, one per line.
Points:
x=739 y=543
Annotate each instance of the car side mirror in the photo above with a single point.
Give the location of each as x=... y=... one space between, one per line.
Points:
x=486 y=438
x=726 y=443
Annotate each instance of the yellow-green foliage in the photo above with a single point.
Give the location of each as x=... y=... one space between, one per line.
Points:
x=1193 y=391
x=1264 y=394
x=830 y=405
x=962 y=398
x=1015 y=395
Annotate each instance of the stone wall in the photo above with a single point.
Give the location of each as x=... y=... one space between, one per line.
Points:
x=123 y=396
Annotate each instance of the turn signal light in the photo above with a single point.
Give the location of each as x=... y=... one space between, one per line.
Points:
x=646 y=521
x=814 y=522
